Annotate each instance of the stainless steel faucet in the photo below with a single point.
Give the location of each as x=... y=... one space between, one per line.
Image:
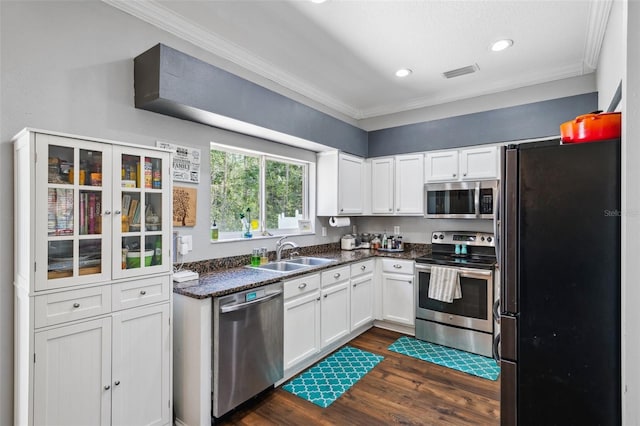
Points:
x=281 y=244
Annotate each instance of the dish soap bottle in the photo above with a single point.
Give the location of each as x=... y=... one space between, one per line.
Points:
x=214 y=231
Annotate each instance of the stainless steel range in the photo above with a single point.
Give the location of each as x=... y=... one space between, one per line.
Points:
x=467 y=322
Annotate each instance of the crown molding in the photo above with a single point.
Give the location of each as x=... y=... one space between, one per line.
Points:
x=154 y=13
x=573 y=70
x=599 y=11
x=159 y=16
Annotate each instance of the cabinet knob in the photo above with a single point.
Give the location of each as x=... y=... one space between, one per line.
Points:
x=107 y=387
x=398 y=209
x=336 y=275
x=117 y=382
x=341 y=210
x=302 y=285
x=464 y=174
x=76 y=305
x=410 y=282
x=107 y=212
x=143 y=292
x=390 y=210
x=397 y=266
x=318 y=299
x=454 y=175
x=355 y=285
x=117 y=212
x=325 y=296
x=363 y=267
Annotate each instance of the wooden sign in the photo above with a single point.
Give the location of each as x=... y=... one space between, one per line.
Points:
x=184 y=206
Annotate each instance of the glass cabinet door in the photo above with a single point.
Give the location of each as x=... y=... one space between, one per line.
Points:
x=142 y=203
x=70 y=176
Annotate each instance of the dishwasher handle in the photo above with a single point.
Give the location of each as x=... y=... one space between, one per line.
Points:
x=239 y=306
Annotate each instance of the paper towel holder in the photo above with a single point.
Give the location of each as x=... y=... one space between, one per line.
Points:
x=339 y=222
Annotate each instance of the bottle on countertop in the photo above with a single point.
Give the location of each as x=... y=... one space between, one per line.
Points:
x=384 y=239
x=214 y=231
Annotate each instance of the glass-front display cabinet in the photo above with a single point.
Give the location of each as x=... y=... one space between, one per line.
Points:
x=104 y=215
x=142 y=204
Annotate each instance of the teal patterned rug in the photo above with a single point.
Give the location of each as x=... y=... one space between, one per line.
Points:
x=326 y=381
x=478 y=365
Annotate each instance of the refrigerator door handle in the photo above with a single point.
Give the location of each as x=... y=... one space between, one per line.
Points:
x=496 y=348
x=496 y=224
x=509 y=295
x=476 y=199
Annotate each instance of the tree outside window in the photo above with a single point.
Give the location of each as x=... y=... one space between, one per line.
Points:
x=275 y=191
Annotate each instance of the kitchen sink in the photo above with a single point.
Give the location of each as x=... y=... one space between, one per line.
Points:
x=291 y=265
x=310 y=261
x=281 y=266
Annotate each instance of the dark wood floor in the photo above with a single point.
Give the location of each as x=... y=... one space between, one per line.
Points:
x=399 y=390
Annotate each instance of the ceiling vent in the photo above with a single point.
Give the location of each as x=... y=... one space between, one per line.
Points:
x=461 y=71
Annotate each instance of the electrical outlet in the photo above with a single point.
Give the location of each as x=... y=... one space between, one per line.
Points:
x=188 y=240
x=324 y=231
x=396 y=230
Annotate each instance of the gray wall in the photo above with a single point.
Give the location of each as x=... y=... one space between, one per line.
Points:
x=534 y=120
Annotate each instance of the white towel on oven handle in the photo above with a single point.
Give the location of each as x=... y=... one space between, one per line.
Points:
x=444 y=284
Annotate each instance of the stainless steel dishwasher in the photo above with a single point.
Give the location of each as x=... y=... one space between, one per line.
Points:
x=247 y=345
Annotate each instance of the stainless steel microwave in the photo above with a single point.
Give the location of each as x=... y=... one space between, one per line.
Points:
x=461 y=200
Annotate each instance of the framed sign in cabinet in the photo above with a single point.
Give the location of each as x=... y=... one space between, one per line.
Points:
x=92 y=246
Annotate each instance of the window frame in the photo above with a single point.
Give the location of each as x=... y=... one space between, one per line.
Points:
x=263 y=232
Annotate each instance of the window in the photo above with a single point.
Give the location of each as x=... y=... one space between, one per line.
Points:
x=256 y=192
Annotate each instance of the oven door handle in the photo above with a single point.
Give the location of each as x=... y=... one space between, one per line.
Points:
x=464 y=272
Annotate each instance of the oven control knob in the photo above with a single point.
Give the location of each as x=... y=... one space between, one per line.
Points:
x=441 y=237
x=481 y=238
x=435 y=236
x=488 y=239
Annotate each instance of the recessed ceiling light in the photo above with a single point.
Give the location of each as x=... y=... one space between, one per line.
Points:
x=403 y=72
x=501 y=45
x=318 y=1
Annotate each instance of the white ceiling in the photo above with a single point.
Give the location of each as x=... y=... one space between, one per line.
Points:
x=343 y=54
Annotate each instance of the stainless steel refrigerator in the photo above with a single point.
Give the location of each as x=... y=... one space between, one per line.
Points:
x=560 y=284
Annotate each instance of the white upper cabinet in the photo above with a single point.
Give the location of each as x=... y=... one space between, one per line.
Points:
x=382 y=174
x=397 y=185
x=409 y=185
x=441 y=166
x=479 y=163
x=340 y=184
x=462 y=164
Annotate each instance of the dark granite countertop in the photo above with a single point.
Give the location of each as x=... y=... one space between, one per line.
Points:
x=226 y=280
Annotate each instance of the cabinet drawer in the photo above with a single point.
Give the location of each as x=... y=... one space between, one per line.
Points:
x=56 y=308
x=397 y=266
x=361 y=268
x=302 y=285
x=140 y=292
x=335 y=275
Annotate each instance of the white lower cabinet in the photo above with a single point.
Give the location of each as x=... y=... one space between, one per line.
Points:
x=334 y=315
x=362 y=293
x=72 y=375
x=301 y=319
x=141 y=366
x=301 y=328
x=108 y=371
x=398 y=292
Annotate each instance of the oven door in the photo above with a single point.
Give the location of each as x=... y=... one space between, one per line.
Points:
x=472 y=311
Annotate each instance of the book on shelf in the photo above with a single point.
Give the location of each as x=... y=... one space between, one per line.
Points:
x=91 y=214
x=126 y=202
x=133 y=211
